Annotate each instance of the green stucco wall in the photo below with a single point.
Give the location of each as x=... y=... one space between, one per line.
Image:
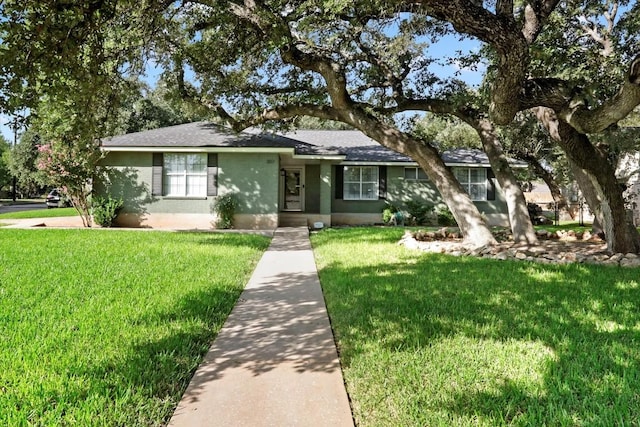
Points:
x=401 y=190
x=254 y=177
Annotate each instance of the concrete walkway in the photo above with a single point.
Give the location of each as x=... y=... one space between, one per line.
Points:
x=274 y=363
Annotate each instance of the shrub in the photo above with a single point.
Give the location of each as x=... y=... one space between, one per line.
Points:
x=225 y=207
x=387 y=213
x=419 y=212
x=105 y=210
x=445 y=217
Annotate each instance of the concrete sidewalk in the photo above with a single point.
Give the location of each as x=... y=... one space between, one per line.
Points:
x=274 y=363
x=62 y=221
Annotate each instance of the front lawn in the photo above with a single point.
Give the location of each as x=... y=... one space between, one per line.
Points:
x=105 y=327
x=430 y=339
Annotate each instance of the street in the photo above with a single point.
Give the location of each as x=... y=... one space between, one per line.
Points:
x=22 y=207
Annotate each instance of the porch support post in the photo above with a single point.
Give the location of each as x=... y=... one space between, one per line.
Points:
x=325 y=192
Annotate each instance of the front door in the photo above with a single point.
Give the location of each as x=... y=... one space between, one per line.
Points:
x=292 y=189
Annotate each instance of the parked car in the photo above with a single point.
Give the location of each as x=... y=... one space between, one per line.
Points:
x=55 y=199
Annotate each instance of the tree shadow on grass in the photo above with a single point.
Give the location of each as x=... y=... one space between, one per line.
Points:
x=586 y=316
x=231 y=240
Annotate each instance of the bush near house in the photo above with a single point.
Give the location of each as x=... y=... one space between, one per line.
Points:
x=415 y=213
x=445 y=217
x=105 y=210
x=225 y=207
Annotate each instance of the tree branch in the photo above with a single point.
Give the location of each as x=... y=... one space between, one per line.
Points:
x=278 y=113
x=535 y=16
x=391 y=79
x=501 y=32
x=504 y=7
x=331 y=72
x=436 y=106
x=569 y=103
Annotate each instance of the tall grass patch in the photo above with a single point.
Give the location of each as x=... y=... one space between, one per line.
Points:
x=105 y=327
x=430 y=339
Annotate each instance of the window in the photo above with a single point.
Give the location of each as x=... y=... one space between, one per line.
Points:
x=474 y=181
x=415 y=174
x=360 y=183
x=185 y=175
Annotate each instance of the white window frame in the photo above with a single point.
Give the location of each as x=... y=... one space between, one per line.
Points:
x=417 y=174
x=186 y=175
x=361 y=183
x=463 y=175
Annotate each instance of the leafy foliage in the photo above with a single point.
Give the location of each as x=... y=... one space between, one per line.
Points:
x=5 y=153
x=22 y=163
x=69 y=153
x=419 y=212
x=444 y=216
x=105 y=210
x=388 y=212
x=447 y=132
x=414 y=213
x=225 y=207
x=142 y=108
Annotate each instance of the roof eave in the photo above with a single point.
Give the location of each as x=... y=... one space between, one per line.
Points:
x=165 y=149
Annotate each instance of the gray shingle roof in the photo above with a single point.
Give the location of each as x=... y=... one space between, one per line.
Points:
x=353 y=144
x=202 y=134
x=356 y=146
x=360 y=148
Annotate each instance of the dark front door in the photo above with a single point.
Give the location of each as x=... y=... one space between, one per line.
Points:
x=292 y=190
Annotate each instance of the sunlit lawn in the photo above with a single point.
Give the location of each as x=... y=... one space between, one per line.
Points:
x=105 y=327
x=40 y=213
x=434 y=340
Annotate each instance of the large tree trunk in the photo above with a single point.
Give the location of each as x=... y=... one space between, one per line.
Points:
x=590 y=195
x=602 y=192
x=606 y=201
x=472 y=226
x=519 y=219
x=619 y=232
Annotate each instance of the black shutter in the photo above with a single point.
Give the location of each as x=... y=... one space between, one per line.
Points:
x=491 y=185
x=212 y=174
x=156 y=174
x=339 y=182
x=382 y=182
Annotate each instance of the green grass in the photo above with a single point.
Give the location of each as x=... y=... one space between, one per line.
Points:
x=575 y=226
x=107 y=327
x=40 y=213
x=430 y=339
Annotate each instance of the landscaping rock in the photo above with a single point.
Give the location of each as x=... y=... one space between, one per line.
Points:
x=630 y=262
x=561 y=247
x=521 y=255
